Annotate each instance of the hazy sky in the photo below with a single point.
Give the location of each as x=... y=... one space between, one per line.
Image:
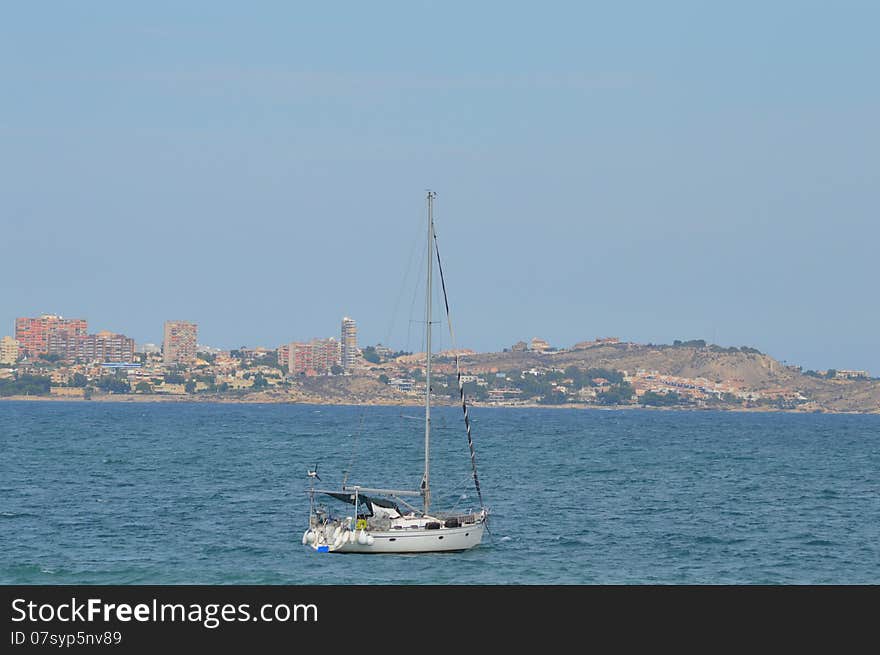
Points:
x=653 y=171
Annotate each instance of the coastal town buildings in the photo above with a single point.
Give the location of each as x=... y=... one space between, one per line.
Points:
x=282 y=354
x=349 y=344
x=8 y=350
x=405 y=385
x=316 y=357
x=63 y=344
x=255 y=354
x=71 y=363
x=539 y=345
x=843 y=374
x=179 y=344
x=504 y=394
x=67 y=340
x=34 y=335
x=698 y=389
x=105 y=346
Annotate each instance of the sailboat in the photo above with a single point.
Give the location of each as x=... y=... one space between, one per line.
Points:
x=383 y=520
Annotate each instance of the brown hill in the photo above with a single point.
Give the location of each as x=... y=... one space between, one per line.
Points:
x=750 y=369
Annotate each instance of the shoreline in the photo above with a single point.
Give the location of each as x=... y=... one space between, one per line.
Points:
x=157 y=398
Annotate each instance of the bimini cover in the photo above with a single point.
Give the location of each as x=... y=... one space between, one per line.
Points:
x=375 y=506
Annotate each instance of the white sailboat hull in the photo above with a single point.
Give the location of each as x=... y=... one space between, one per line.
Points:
x=417 y=540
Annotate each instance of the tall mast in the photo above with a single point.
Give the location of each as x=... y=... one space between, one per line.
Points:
x=430 y=258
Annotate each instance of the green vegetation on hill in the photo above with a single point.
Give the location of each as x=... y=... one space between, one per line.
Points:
x=26 y=385
x=653 y=399
x=830 y=374
x=113 y=384
x=369 y=353
x=373 y=356
x=548 y=387
x=620 y=394
x=701 y=343
x=693 y=343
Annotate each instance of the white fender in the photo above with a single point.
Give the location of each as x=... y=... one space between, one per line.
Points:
x=362 y=537
x=370 y=539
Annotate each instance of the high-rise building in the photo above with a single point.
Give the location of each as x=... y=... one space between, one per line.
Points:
x=8 y=350
x=34 y=335
x=106 y=347
x=282 y=353
x=63 y=344
x=179 y=345
x=316 y=357
x=68 y=339
x=349 y=343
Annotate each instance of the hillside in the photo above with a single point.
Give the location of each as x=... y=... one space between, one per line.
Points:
x=748 y=369
x=751 y=369
x=689 y=375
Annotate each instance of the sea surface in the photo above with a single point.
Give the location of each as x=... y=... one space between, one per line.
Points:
x=155 y=493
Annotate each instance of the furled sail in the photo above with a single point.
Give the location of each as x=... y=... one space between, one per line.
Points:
x=467 y=422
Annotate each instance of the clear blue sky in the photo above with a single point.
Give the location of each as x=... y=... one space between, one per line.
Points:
x=654 y=171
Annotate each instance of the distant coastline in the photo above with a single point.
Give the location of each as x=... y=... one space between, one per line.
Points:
x=600 y=374
x=269 y=400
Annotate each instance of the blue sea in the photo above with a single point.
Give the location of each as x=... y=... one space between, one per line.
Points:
x=156 y=493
